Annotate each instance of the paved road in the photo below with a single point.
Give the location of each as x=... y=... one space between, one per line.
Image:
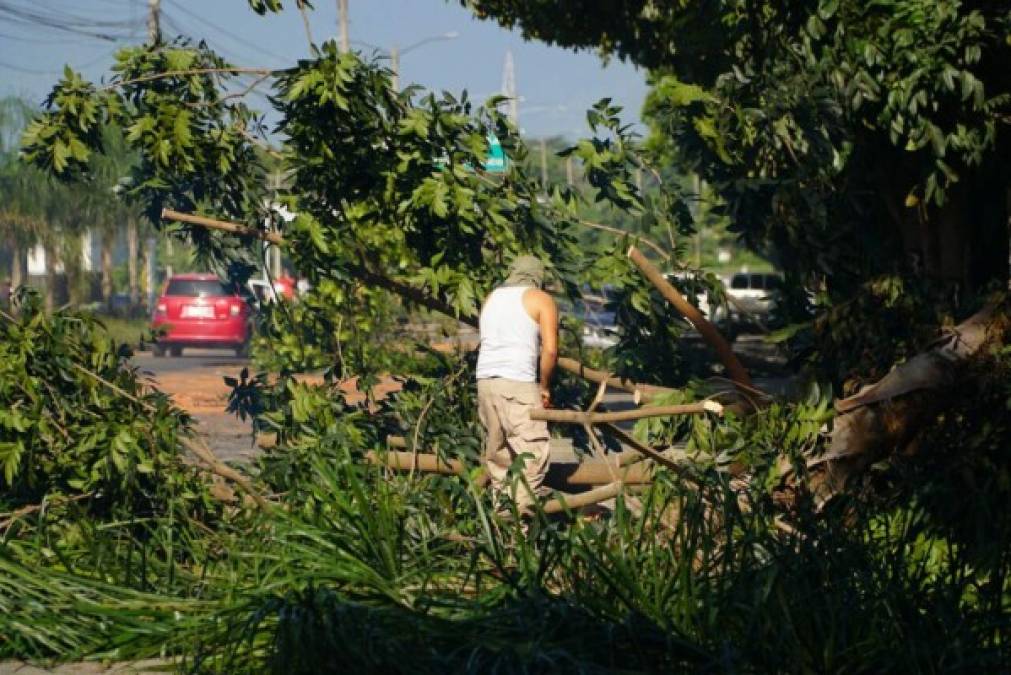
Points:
x=195 y=381
x=192 y=361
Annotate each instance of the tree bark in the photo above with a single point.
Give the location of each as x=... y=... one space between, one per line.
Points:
x=19 y=266
x=107 y=243
x=50 y=295
x=885 y=416
x=964 y=242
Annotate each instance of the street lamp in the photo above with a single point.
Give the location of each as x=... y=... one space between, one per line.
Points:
x=396 y=52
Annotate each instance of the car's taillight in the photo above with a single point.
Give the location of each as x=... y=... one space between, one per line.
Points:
x=235 y=310
x=162 y=308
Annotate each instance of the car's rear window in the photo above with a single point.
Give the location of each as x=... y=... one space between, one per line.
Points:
x=197 y=288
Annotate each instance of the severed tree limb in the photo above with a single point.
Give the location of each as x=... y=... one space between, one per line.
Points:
x=706 y=329
x=642 y=451
x=426 y=462
x=559 y=475
x=9 y=518
x=641 y=393
x=570 y=502
x=580 y=417
x=194 y=445
x=415 y=295
x=886 y=416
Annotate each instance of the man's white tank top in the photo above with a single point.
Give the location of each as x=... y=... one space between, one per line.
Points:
x=510 y=339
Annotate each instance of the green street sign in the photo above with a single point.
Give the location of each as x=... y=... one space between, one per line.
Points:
x=496 y=162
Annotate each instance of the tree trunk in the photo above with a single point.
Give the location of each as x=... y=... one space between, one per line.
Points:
x=132 y=251
x=962 y=243
x=884 y=417
x=50 y=296
x=150 y=265
x=108 y=239
x=19 y=266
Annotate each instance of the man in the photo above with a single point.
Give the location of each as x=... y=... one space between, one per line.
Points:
x=519 y=350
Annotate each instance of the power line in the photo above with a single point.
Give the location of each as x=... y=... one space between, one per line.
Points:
x=61 y=19
x=42 y=41
x=258 y=49
x=27 y=71
x=20 y=16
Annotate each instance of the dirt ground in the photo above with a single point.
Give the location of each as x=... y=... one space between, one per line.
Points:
x=196 y=384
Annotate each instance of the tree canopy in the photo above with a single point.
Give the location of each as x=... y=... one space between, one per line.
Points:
x=863 y=145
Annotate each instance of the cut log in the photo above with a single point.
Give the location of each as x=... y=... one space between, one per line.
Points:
x=560 y=475
x=642 y=393
x=706 y=329
x=581 y=417
x=570 y=502
x=426 y=462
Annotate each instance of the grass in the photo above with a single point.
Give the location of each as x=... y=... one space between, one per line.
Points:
x=126 y=331
x=393 y=574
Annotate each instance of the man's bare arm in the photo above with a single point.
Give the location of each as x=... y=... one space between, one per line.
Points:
x=547 y=318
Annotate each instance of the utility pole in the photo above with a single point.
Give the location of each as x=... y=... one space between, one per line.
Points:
x=395 y=66
x=342 y=17
x=568 y=170
x=509 y=89
x=151 y=259
x=544 y=163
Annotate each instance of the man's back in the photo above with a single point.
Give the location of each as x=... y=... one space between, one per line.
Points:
x=510 y=337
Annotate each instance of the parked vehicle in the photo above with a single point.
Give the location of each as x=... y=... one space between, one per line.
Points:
x=200 y=310
x=599 y=327
x=285 y=288
x=751 y=294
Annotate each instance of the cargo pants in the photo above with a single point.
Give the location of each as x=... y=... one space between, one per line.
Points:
x=504 y=408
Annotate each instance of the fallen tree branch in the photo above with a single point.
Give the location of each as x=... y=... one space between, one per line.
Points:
x=425 y=462
x=641 y=450
x=12 y=516
x=570 y=502
x=194 y=445
x=580 y=417
x=641 y=393
x=706 y=329
x=623 y=233
x=885 y=416
x=415 y=295
x=559 y=474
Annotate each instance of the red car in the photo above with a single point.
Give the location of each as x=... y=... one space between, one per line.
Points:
x=200 y=310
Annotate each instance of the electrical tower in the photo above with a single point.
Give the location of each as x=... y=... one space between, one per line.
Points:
x=153 y=21
x=509 y=89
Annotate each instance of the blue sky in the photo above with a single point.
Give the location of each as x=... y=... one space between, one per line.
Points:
x=556 y=85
